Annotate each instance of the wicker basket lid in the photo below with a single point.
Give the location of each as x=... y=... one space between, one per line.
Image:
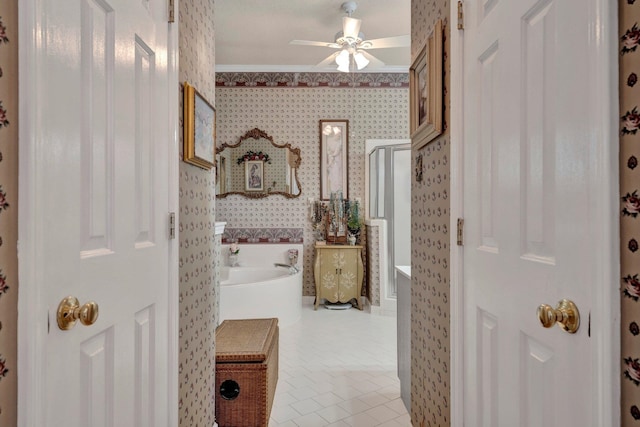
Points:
x=245 y=340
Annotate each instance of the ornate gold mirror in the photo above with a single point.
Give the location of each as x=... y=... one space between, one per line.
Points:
x=257 y=167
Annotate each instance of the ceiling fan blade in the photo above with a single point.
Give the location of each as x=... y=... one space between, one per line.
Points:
x=328 y=61
x=373 y=61
x=351 y=27
x=312 y=43
x=386 y=42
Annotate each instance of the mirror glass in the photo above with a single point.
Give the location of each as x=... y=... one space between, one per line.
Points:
x=257 y=167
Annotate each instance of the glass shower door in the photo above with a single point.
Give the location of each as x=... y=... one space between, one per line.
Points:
x=390 y=199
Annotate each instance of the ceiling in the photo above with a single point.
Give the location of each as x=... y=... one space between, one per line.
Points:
x=254 y=35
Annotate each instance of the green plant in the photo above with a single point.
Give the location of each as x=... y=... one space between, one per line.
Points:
x=354 y=221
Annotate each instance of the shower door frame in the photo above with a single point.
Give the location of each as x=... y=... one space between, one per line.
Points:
x=387 y=228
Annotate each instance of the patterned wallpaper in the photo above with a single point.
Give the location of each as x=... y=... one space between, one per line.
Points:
x=8 y=212
x=629 y=33
x=373 y=253
x=430 y=343
x=197 y=253
x=288 y=106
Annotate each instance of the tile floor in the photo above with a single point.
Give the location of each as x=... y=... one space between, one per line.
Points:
x=338 y=368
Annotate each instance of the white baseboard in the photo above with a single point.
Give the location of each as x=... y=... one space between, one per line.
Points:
x=308 y=301
x=376 y=309
x=379 y=311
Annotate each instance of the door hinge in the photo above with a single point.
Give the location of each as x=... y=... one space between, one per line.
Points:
x=172 y=225
x=460 y=16
x=171 y=10
x=460 y=232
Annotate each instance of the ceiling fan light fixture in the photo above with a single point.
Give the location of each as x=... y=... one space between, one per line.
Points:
x=342 y=59
x=343 y=67
x=353 y=54
x=361 y=60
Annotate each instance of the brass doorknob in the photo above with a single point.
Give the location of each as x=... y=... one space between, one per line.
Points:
x=69 y=311
x=566 y=314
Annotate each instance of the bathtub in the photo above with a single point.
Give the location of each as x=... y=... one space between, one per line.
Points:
x=256 y=289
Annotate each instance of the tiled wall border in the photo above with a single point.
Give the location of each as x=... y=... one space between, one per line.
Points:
x=263 y=235
x=305 y=80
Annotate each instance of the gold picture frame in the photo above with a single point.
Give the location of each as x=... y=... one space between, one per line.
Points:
x=334 y=157
x=199 y=129
x=254 y=175
x=425 y=93
x=221 y=174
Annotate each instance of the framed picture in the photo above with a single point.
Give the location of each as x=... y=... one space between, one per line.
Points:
x=425 y=95
x=334 y=157
x=254 y=175
x=199 y=129
x=221 y=174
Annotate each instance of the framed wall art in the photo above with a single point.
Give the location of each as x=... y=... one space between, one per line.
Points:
x=425 y=93
x=334 y=157
x=221 y=174
x=199 y=129
x=254 y=175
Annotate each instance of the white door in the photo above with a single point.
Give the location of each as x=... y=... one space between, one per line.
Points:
x=539 y=206
x=94 y=204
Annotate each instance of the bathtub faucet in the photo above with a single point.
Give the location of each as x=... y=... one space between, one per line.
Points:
x=293 y=256
x=292 y=268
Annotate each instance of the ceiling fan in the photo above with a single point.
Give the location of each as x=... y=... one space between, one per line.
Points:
x=352 y=44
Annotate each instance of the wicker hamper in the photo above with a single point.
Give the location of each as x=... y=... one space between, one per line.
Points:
x=246 y=371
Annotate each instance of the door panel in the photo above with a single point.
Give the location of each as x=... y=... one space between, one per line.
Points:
x=145 y=372
x=97 y=39
x=487 y=366
x=487 y=161
x=348 y=274
x=145 y=71
x=536 y=370
x=96 y=374
x=538 y=128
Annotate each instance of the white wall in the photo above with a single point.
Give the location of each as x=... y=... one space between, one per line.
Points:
x=402 y=207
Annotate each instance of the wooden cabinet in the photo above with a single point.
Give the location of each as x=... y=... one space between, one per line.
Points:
x=338 y=273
